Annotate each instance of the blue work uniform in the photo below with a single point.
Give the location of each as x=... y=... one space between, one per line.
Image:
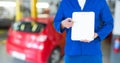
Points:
x=81 y=51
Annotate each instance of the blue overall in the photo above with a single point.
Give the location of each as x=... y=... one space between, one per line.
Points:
x=80 y=51
x=82 y=59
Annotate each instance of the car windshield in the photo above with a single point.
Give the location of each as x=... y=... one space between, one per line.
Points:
x=35 y=27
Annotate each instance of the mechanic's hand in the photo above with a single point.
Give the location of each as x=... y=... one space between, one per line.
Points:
x=95 y=36
x=67 y=23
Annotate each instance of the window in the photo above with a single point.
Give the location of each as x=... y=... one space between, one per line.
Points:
x=28 y=26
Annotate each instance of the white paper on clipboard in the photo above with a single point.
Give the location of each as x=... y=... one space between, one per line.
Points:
x=83 y=27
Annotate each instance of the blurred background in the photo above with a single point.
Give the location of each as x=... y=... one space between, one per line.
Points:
x=11 y=13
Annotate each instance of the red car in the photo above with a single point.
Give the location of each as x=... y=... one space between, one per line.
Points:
x=35 y=41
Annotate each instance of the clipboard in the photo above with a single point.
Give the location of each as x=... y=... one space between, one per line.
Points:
x=83 y=27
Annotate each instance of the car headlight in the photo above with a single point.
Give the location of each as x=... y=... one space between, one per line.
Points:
x=42 y=38
x=35 y=46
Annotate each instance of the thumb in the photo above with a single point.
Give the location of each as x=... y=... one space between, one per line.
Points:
x=69 y=19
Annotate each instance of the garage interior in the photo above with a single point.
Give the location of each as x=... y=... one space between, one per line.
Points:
x=51 y=6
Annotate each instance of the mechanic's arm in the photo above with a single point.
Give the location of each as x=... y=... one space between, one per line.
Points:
x=107 y=19
x=61 y=23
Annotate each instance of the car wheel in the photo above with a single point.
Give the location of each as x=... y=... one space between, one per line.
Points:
x=55 y=56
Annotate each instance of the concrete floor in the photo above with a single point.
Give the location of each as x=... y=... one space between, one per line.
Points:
x=5 y=58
